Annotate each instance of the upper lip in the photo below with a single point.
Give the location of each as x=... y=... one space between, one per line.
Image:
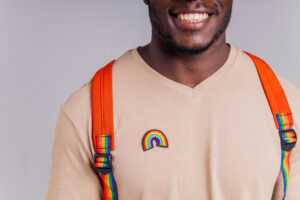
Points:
x=175 y=12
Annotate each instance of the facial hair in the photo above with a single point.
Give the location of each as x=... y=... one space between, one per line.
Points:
x=181 y=49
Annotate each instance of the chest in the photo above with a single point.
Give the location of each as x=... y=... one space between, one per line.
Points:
x=215 y=150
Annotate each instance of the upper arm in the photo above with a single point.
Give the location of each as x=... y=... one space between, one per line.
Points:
x=72 y=173
x=293 y=189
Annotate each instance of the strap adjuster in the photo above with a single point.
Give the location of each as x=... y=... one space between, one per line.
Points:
x=103 y=163
x=288 y=139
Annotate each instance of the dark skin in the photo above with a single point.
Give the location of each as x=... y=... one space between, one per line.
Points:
x=187 y=52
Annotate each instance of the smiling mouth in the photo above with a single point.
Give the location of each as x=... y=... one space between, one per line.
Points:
x=192 y=17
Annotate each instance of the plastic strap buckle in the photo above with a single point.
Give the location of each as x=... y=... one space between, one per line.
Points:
x=103 y=163
x=288 y=139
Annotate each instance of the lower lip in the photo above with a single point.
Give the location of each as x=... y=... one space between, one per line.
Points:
x=192 y=26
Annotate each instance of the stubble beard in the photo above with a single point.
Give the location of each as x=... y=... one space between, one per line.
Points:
x=181 y=49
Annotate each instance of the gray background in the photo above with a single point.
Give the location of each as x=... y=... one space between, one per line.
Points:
x=50 y=48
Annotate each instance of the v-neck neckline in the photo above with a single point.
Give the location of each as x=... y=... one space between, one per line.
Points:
x=181 y=87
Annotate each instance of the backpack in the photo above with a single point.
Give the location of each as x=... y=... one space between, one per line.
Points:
x=103 y=127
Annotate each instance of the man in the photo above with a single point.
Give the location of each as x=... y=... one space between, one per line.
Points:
x=204 y=95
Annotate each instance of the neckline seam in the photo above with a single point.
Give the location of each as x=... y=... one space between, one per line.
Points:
x=190 y=92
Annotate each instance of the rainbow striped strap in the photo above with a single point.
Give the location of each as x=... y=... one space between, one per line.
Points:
x=285 y=120
x=103 y=163
x=288 y=139
x=110 y=192
x=288 y=135
x=278 y=104
x=285 y=169
x=102 y=158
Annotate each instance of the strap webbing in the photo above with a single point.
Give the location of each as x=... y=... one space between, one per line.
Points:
x=102 y=104
x=281 y=112
x=103 y=128
x=103 y=148
x=274 y=92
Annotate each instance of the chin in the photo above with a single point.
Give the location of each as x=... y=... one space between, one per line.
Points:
x=192 y=49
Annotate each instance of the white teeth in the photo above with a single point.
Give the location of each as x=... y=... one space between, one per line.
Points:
x=185 y=17
x=192 y=17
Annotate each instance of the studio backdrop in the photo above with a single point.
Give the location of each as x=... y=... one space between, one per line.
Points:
x=48 y=48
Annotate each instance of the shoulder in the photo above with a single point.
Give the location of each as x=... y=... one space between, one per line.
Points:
x=79 y=97
x=78 y=107
x=291 y=91
x=292 y=94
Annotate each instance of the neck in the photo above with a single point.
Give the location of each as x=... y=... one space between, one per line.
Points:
x=189 y=70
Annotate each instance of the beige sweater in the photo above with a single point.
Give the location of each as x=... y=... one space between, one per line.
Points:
x=223 y=143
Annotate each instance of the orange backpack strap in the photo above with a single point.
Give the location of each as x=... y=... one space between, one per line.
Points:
x=281 y=112
x=103 y=128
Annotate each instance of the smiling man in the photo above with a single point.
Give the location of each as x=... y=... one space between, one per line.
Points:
x=193 y=94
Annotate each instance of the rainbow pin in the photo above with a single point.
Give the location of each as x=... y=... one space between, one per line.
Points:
x=154 y=135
